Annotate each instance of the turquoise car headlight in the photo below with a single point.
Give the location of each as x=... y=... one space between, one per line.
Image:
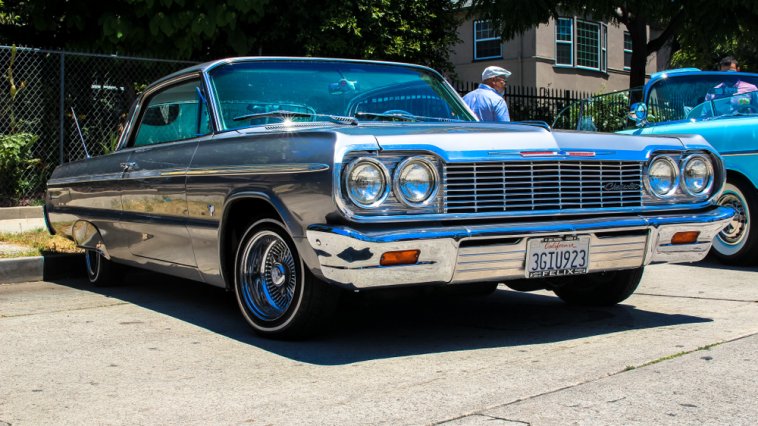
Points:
x=416 y=181
x=366 y=182
x=662 y=177
x=697 y=175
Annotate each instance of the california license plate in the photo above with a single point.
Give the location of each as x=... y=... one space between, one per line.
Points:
x=557 y=256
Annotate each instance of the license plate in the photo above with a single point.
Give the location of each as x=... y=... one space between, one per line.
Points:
x=557 y=256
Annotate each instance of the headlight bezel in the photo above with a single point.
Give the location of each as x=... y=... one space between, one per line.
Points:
x=385 y=176
x=671 y=193
x=435 y=181
x=706 y=191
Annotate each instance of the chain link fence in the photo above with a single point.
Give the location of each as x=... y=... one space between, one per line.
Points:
x=48 y=97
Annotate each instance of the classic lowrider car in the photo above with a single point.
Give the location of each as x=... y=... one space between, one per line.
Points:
x=723 y=108
x=720 y=106
x=284 y=180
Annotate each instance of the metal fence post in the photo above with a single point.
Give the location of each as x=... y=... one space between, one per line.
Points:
x=61 y=108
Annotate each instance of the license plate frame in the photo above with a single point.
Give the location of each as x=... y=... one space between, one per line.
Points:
x=557 y=256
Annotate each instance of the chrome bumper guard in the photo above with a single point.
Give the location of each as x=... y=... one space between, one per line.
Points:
x=459 y=254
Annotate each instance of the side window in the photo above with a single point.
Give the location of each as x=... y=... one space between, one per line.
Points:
x=173 y=114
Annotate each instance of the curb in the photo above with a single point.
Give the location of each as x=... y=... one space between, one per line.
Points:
x=41 y=268
x=9 y=213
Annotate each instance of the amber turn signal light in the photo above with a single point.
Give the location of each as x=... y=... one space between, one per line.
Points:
x=404 y=257
x=688 y=237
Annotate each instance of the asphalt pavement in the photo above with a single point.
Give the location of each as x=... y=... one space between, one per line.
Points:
x=158 y=350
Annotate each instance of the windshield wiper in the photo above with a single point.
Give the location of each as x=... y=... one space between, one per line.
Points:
x=293 y=114
x=406 y=117
x=400 y=117
x=278 y=113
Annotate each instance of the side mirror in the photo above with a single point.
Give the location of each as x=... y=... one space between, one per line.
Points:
x=638 y=113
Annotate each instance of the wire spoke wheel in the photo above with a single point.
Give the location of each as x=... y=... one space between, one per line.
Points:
x=734 y=233
x=738 y=242
x=268 y=276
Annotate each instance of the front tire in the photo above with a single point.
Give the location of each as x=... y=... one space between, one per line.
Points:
x=599 y=289
x=277 y=295
x=737 y=244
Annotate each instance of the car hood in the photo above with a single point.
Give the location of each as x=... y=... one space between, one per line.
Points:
x=487 y=142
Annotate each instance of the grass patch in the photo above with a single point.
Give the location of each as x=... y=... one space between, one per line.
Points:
x=38 y=242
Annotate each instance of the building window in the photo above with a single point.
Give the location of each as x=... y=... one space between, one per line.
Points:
x=487 y=43
x=564 y=42
x=627 y=51
x=588 y=45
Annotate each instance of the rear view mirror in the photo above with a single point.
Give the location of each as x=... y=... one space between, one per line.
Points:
x=344 y=86
x=638 y=113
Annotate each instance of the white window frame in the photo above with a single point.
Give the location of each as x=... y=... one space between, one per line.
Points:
x=603 y=47
x=476 y=41
x=570 y=42
x=629 y=51
x=599 y=44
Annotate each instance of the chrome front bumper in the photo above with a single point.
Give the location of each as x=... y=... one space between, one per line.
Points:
x=458 y=254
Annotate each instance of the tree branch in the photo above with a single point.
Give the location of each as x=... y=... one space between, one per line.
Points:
x=674 y=24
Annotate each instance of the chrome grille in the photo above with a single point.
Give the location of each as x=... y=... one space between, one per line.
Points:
x=541 y=185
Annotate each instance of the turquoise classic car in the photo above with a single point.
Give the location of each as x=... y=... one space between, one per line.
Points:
x=720 y=106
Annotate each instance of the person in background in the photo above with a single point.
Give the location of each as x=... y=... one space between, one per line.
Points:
x=487 y=100
x=729 y=64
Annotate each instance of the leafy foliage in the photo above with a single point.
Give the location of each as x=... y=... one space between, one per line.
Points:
x=14 y=159
x=406 y=30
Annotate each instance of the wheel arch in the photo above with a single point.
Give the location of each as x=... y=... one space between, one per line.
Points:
x=242 y=210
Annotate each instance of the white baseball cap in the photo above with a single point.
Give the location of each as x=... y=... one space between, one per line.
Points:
x=490 y=72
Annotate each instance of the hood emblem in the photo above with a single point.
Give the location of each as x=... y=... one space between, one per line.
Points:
x=621 y=186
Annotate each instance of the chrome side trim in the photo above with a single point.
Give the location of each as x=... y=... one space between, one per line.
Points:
x=250 y=170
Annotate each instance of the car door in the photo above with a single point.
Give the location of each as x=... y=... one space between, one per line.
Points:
x=173 y=119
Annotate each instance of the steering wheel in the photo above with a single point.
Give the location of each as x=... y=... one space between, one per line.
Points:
x=397 y=112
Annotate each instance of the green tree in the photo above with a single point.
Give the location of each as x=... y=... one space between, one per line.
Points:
x=669 y=16
x=705 y=47
x=406 y=30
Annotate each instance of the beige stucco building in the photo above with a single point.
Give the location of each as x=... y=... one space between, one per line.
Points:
x=569 y=53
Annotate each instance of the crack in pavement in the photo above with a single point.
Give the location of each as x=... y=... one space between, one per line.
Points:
x=696 y=297
x=573 y=385
x=64 y=310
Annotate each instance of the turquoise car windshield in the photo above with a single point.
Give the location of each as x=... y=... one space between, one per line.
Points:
x=744 y=103
x=675 y=98
x=262 y=92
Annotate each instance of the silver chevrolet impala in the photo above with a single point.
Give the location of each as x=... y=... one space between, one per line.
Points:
x=285 y=180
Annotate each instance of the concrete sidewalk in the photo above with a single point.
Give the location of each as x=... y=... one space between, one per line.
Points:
x=36 y=268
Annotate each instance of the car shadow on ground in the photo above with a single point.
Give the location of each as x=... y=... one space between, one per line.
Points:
x=396 y=323
x=711 y=262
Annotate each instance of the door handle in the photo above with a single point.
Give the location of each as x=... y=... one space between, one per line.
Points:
x=129 y=166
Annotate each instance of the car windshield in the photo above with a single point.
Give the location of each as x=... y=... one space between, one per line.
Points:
x=262 y=92
x=744 y=103
x=675 y=97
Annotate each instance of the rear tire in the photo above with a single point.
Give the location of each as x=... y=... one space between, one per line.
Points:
x=277 y=295
x=737 y=244
x=101 y=271
x=599 y=289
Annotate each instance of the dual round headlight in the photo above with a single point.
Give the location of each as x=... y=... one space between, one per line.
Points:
x=415 y=182
x=695 y=176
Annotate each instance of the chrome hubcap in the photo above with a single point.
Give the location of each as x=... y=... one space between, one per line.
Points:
x=735 y=231
x=268 y=276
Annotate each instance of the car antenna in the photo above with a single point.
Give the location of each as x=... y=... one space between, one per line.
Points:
x=78 y=129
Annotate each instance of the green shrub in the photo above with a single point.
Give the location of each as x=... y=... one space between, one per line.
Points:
x=15 y=160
